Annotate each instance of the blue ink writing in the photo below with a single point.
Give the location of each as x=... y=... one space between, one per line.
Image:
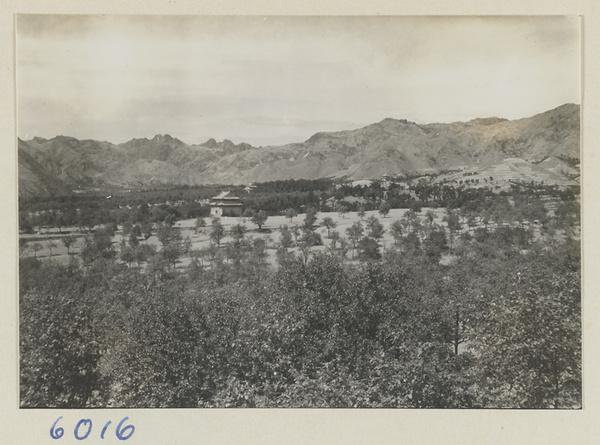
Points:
x=83 y=429
x=56 y=433
x=85 y=422
x=104 y=429
x=121 y=432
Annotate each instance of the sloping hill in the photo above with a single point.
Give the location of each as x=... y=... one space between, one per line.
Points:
x=548 y=144
x=34 y=179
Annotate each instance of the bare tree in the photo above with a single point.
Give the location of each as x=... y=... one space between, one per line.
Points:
x=68 y=242
x=36 y=248
x=51 y=245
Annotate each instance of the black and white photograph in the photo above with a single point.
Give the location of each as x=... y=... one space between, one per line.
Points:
x=299 y=211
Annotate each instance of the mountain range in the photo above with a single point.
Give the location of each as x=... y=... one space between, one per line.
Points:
x=542 y=147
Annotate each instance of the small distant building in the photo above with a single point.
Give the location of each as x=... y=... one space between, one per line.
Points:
x=362 y=183
x=385 y=182
x=225 y=204
x=346 y=199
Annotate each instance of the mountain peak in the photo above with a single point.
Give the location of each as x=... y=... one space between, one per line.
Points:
x=392 y=121
x=211 y=143
x=62 y=137
x=487 y=120
x=226 y=145
x=568 y=106
x=166 y=139
x=315 y=137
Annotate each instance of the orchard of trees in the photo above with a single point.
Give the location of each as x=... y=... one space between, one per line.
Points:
x=272 y=198
x=478 y=308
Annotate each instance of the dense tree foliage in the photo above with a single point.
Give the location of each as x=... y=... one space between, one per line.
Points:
x=475 y=304
x=499 y=326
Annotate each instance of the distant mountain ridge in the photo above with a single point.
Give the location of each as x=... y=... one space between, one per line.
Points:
x=548 y=144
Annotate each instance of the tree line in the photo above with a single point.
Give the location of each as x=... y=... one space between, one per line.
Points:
x=275 y=198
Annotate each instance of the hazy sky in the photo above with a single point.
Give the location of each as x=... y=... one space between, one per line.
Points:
x=273 y=80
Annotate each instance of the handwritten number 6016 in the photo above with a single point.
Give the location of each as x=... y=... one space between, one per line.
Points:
x=83 y=428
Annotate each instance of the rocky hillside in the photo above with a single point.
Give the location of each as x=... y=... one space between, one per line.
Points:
x=541 y=147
